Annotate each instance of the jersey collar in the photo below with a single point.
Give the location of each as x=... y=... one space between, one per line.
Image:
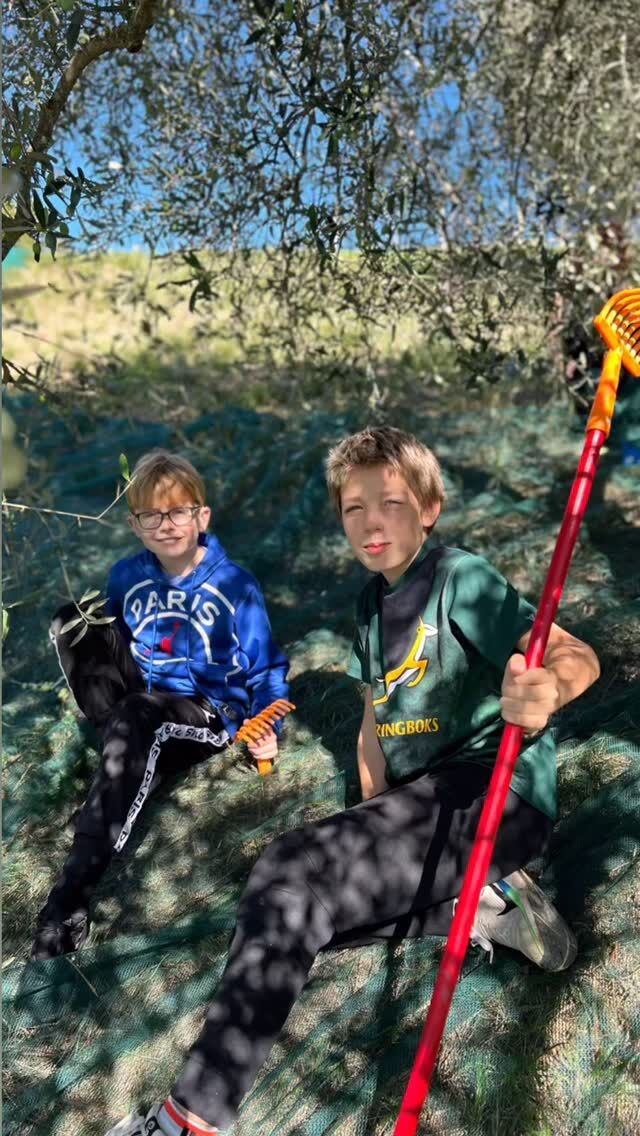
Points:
x=409 y=573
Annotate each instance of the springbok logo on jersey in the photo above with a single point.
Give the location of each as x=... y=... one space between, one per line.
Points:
x=413 y=669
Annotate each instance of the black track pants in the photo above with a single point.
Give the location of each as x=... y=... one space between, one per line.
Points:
x=145 y=736
x=388 y=867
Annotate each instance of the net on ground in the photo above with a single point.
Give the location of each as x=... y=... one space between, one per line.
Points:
x=525 y=1054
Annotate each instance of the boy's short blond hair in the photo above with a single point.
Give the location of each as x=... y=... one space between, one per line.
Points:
x=161 y=466
x=386 y=445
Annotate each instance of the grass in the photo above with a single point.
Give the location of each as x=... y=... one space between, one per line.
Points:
x=117 y=333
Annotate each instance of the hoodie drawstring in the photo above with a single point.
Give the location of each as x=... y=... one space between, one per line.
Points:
x=153 y=650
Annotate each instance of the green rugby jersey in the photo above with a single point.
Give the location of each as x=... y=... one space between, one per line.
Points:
x=433 y=647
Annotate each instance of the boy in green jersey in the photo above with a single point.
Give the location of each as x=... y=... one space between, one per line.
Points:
x=438 y=645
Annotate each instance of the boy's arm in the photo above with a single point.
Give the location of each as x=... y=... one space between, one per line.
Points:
x=267 y=666
x=371 y=763
x=530 y=697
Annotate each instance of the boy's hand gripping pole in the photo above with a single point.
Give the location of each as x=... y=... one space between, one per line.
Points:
x=619 y=325
x=260 y=724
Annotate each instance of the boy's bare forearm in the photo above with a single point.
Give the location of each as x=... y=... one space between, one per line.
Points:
x=372 y=778
x=568 y=669
x=371 y=763
x=575 y=667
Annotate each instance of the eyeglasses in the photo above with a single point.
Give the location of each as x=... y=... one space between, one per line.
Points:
x=180 y=515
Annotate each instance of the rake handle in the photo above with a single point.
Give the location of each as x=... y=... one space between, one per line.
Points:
x=605 y=398
x=458 y=940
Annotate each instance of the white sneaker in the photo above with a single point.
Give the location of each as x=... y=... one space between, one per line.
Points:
x=139 y=1125
x=159 y=1121
x=516 y=913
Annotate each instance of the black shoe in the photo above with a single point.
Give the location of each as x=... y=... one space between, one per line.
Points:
x=61 y=935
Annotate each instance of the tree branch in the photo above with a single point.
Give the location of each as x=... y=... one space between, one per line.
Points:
x=128 y=36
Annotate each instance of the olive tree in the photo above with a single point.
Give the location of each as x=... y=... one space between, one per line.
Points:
x=465 y=163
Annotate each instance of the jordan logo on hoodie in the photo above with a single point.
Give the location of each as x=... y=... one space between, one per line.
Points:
x=166 y=644
x=175 y=600
x=147 y=610
x=186 y=632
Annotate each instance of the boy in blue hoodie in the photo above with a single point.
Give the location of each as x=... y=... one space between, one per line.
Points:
x=187 y=657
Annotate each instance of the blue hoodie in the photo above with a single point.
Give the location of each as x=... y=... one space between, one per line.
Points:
x=207 y=633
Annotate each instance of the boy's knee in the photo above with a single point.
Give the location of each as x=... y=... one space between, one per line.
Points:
x=284 y=898
x=136 y=711
x=136 y=706
x=284 y=862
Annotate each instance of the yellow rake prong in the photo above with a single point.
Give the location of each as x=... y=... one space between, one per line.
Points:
x=619 y=326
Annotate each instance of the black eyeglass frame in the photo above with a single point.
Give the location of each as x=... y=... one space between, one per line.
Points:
x=193 y=509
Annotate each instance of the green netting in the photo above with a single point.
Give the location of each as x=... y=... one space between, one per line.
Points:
x=525 y=1054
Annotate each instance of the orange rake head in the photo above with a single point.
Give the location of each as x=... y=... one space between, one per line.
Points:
x=619 y=326
x=258 y=726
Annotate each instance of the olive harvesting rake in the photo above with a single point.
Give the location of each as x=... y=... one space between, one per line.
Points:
x=258 y=726
x=619 y=325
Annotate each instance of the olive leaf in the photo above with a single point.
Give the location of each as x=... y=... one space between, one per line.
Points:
x=91 y=595
x=94 y=607
x=71 y=624
x=83 y=631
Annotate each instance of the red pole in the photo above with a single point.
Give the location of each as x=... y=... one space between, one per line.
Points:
x=418 y=1087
